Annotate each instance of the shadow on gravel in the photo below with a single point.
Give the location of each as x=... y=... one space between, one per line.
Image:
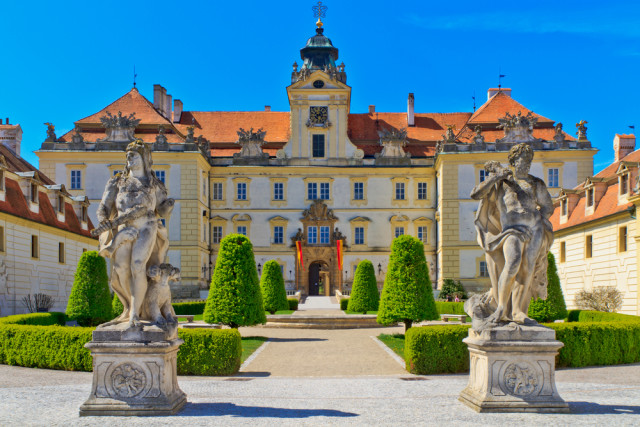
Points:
x=595 y=408
x=296 y=339
x=252 y=374
x=222 y=409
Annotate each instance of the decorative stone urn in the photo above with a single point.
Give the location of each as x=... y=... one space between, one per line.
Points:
x=512 y=369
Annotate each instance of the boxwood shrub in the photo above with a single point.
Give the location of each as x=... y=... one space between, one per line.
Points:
x=293 y=303
x=204 y=352
x=42 y=319
x=196 y=307
x=445 y=307
x=344 y=303
x=436 y=349
x=600 y=316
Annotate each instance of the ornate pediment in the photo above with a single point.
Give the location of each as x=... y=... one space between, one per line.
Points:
x=518 y=128
x=119 y=128
x=251 y=143
x=318 y=211
x=393 y=142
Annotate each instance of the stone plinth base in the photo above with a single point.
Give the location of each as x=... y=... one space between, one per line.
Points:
x=133 y=378
x=512 y=369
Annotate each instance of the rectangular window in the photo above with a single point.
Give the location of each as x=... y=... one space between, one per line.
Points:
x=34 y=193
x=484 y=272
x=564 y=204
x=61 y=253
x=324 y=191
x=1 y=180
x=204 y=185
x=216 y=189
x=422 y=191
x=624 y=184
x=242 y=229
x=278 y=235
x=76 y=180
x=399 y=231
x=622 y=239
x=324 y=235
x=83 y=213
x=358 y=239
x=35 y=250
x=312 y=235
x=278 y=191
x=318 y=146
x=217 y=233
x=161 y=176
x=422 y=233
x=554 y=177
x=2 y=239
x=590 y=197
x=588 y=250
x=312 y=191
x=242 y=191
x=483 y=175
x=358 y=191
x=563 y=251
x=61 y=204
x=399 y=190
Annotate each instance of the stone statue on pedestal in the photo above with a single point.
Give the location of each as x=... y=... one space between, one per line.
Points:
x=512 y=357
x=135 y=355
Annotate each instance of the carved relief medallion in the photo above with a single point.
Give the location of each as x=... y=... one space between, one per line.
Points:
x=520 y=379
x=128 y=380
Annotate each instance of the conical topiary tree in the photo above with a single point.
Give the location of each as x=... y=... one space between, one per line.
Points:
x=274 y=296
x=116 y=306
x=234 y=298
x=554 y=307
x=90 y=299
x=407 y=295
x=364 y=293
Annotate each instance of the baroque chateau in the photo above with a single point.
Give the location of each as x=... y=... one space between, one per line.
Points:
x=298 y=182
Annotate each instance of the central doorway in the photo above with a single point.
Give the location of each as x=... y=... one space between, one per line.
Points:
x=314 y=278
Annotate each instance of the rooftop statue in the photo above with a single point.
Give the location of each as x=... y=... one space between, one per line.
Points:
x=251 y=142
x=518 y=128
x=51 y=132
x=133 y=236
x=393 y=142
x=119 y=128
x=513 y=229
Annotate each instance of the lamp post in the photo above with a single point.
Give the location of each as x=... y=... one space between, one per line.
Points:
x=259 y=268
x=379 y=268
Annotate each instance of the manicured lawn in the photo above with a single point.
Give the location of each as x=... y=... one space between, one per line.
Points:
x=249 y=345
x=359 y=312
x=195 y=317
x=280 y=312
x=395 y=342
x=200 y=316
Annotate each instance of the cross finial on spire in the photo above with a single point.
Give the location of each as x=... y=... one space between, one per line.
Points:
x=134 y=75
x=319 y=11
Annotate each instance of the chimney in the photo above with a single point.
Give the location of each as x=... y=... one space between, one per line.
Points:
x=623 y=145
x=167 y=107
x=267 y=108
x=157 y=97
x=410 y=117
x=494 y=91
x=6 y=120
x=372 y=109
x=177 y=110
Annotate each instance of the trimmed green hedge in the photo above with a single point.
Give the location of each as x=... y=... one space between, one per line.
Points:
x=196 y=307
x=439 y=349
x=293 y=303
x=42 y=319
x=444 y=307
x=600 y=316
x=204 y=352
x=344 y=303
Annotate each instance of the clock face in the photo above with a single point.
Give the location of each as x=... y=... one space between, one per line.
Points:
x=318 y=114
x=318 y=84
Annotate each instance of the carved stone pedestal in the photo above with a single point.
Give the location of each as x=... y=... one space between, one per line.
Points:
x=512 y=369
x=134 y=373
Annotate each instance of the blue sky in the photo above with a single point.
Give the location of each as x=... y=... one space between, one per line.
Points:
x=568 y=60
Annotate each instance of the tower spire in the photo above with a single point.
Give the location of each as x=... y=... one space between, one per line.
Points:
x=319 y=11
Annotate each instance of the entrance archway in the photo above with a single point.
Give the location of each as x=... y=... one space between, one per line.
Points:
x=314 y=278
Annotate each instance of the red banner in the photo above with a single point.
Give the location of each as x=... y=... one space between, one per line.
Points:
x=339 y=247
x=299 y=248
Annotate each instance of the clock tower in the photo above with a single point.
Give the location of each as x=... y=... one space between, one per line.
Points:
x=319 y=98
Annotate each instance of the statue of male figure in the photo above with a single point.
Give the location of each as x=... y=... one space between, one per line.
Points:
x=131 y=232
x=514 y=230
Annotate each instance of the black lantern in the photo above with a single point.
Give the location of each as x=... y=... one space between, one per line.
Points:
x=379 y=268
x=259 y=268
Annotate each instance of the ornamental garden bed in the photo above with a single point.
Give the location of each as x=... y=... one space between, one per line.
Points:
x=590 y=339
x=40 y=340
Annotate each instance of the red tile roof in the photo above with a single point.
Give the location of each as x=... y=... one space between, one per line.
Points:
x=610 y=170
x=496 y=107
x=222 y=126
x=16 y=204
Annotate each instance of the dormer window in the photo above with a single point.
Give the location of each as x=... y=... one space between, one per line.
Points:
x=61 y=204
x=590 y=197
x=34 y=193
x=84 y=214
x=564 y=207
x=624 y=184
